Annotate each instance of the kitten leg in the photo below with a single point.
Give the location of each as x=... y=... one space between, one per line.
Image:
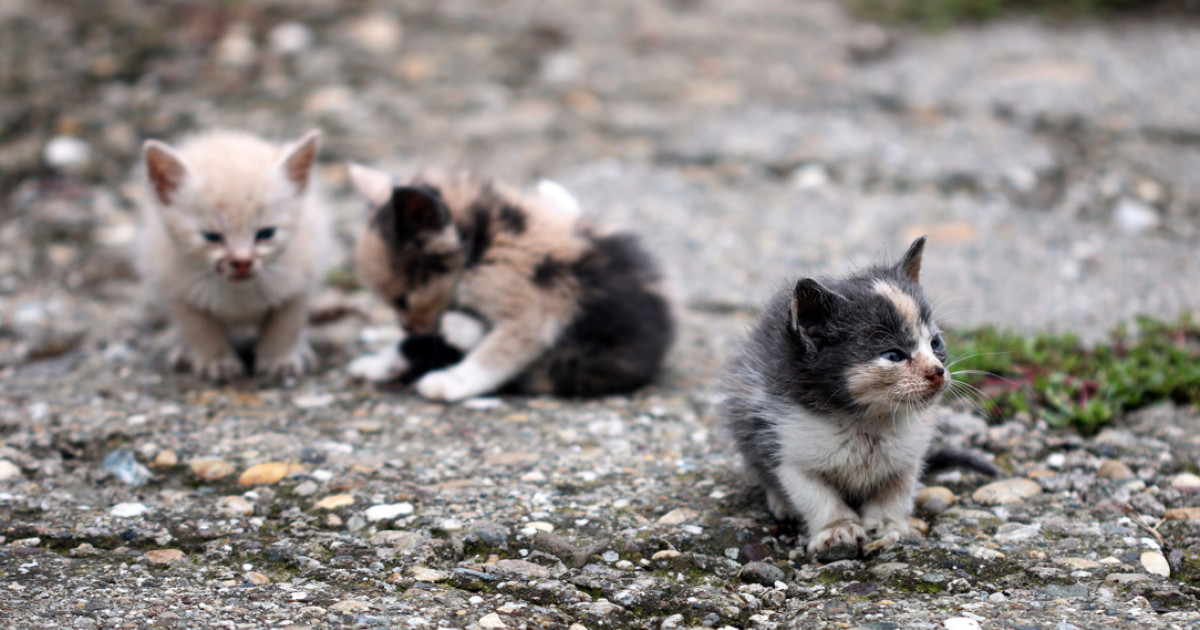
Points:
x=282 y=349
x=505 y=352
x=206 y=343
x=885 y=515
x=462 y=331
x=380 y=367
x=830 y=521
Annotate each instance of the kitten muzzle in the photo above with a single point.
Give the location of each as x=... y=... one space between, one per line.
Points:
x=936 y=376
x=237 y=269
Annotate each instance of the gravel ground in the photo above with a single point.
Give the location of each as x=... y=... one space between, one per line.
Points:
x=1056 y=169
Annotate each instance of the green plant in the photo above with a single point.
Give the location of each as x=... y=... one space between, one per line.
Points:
x=1058 y=378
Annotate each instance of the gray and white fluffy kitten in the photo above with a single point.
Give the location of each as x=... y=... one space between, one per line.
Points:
x=829 y=401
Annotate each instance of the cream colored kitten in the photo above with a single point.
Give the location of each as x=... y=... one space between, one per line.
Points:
x=232 y=241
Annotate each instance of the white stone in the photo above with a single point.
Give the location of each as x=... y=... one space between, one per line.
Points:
x=236 y=49
x=1056 y=460
x=290 y=38
x=677 y=516
x=67 y=153
x=388 y=511
x=491 y=621
x=1012 y=532
x=377 y=33
x=961 y=623
x=128 y=510
x=1135 y=217
x=313 y=401
x=1156 y=563
x=810 y=176
x=1185 y=481
x=1007 y=491
x=9 y=470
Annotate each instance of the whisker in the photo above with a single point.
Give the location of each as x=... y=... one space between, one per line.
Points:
x=977 y=354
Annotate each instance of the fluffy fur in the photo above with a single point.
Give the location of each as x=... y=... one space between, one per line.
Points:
x=828 y=401
x=557 y=306
x=231 y=240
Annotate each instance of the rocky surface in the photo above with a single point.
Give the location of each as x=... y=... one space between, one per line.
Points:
x=1053 y=167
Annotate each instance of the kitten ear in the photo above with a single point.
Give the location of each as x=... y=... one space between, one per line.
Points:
x=419 y=209
x=298 y=162
x=165 y=168
x=812 y=304
x=371 y=183
x=910 y=264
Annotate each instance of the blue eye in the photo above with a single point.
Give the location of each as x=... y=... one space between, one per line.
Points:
x=212 y=237
x=937 y=343
x=264 y=234
x=895 y=356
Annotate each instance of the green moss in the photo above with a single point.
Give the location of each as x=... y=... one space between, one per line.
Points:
x=1057 y=378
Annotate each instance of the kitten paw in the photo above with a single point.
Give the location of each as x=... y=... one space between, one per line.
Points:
x=886 y=532
x=460 y=382
x=841 y=533
x=381 y=367
x=222 y=368
x=291 y=364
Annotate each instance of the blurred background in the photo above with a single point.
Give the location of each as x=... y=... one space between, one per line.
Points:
x=1051 y=150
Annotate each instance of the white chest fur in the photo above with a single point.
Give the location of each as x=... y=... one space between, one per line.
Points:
x=853 y=456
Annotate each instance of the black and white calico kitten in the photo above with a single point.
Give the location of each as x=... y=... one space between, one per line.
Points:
x=829 y=401
x=535 y=298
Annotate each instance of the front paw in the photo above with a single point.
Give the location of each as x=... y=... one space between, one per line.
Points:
x=222 y=368
x=838 y=534
x=886 y=532
x=292 y=363
x=450 y=385
x=381 y=367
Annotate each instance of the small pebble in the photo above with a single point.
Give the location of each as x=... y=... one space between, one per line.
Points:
x=166 y=459
x=961 y=623
x=1185 y=481
x=678 y=516
x=1115 y=470
x=387 y=511
x=123 y=465
x=9 y=470
x=165 y=556
x=67 y=153
x=1154 y=562
x=128 y=510
x=1007 y=491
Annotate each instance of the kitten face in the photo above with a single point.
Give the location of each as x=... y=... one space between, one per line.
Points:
x=231 y=213
x=869 y=343
x=411 y=254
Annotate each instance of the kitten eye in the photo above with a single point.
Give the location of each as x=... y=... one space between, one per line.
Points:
x=937 y=343
x=401 y=302
x=895 y=356
x=264 y=234
x=212 y=237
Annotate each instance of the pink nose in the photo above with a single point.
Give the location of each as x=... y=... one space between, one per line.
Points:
x=936 y=376
x=241 y=267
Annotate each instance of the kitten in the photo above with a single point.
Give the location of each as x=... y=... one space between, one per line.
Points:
x=829 y=401
x=231 y=240
x=537 y=299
